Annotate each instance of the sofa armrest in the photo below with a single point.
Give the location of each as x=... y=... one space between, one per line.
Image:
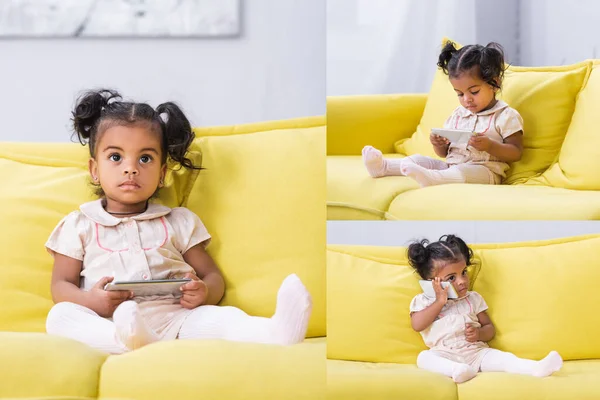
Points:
x=376 y=120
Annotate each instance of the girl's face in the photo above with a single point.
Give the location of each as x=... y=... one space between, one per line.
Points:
x=456 y=274
x=474 y=94
x=127 y=165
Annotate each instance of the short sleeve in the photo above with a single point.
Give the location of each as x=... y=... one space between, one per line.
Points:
x=451 y=120
x=68 y=238
x=188 y=228
x=508 y=121
x=479 y=304
x=420 y=302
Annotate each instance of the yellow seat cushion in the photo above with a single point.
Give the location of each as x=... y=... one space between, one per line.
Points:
x=579 y=160
x=205 y=369
x=544 y=96
x=373 y=323
x=262 y=198
x=348 y=380
x=576 y=380
x=541 y=298
x=40 y=366
x=41 y=183
x=353 y=195
x=495 y=202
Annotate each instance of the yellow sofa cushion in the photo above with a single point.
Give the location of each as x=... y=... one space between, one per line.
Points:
x=542 y=298
x=206 y=369
x=495 y=202
x=373 y=323
x=576 y=380
x=348 y=380
x=41 y=183
x=579 y=159
x=40 y=366
x=353 y=195
x=544 y=96
x=262 y=197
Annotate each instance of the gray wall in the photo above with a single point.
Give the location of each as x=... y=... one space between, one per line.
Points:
x=399 y=233
x=558 y=32
x=275 y=70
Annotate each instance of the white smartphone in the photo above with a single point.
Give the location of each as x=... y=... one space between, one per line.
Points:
x=457 y=136
x=159 y=287
x=427 y=287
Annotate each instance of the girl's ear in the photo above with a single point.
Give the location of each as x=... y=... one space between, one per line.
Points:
x=93 y=167
x=163 y=173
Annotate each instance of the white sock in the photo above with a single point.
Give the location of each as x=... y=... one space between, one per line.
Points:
x=463 y=372
x=131 y=329
x=294 y=306
x=287 y=326
x=548 y=365
x=429 y=177
x=377 y=166
x=500 y=361
x=459 y=372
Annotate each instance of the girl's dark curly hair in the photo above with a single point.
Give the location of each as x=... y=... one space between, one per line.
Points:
x=98 y=110
x=488 y=60
x=422 y=255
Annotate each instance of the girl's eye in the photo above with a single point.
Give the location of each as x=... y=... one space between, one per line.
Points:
x=114 y=157
x=460 y=95
x=451 y=278
x=464 y=272
x=145 y=159
x=474 y=93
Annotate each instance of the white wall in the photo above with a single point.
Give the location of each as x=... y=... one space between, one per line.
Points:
x=399 y=233
x=275 y=70
x=558 y=32
x=391 y=46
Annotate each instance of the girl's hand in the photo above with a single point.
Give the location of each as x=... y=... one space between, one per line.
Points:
x=480 y=142
x=104 y=302
x=439 y=141
x=194 y=292
x=472 y=333
x=441 y=294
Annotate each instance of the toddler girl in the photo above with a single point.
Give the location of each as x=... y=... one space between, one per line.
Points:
x=476 y=74
x=456 y=330
x=124 y=236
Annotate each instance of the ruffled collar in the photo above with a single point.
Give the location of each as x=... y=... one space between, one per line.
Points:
x=96 y=212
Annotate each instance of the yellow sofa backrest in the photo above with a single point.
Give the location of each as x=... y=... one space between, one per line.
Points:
x=539 y=295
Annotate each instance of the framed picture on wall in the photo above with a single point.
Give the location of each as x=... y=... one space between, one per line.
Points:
x=120 y=18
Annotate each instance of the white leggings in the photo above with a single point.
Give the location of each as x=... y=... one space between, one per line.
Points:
x=206 y=322
x=441 y=172
x=493 y=361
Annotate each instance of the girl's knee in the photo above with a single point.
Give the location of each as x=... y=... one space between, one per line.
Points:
x=421 y=357
x=57 y=314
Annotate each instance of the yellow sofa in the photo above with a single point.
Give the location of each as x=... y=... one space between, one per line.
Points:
x=541 y=295
x=557 y=177
x=261 y=196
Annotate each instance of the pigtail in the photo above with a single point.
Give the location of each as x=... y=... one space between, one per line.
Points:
x=88 y=110
x=456 y=244
x=448 y=51
x=177 y=133
x=419 y=257
x=491 y=63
